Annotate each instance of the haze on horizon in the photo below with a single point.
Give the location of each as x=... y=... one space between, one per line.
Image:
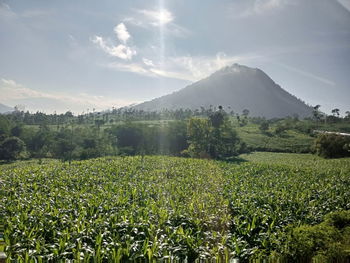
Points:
x=65 y=55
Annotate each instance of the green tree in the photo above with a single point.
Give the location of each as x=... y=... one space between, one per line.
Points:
x=224 y=141
x=316 y=112
x=63 y=149
x=332 y=145
x=245 y=113
x=39 y=144
x=335 y=112
x=214 y=137
x=64 y=145
x=176 y=137
x=17 y=131
x=199 y=133
x=264 y=126
x=129 y=138
x=347 y=114
x=4 y=126
x=99 y=123
x=217 y=118
x=11 y=148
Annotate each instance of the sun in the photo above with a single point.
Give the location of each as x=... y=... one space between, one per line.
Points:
x=164 y=16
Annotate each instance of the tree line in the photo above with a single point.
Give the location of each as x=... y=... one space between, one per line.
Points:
x=203 y=133
x=183 y=137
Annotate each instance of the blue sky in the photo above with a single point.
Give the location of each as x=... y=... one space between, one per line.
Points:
x=83 y=54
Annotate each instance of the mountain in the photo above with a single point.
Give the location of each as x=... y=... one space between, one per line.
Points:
x=5 y=109
x=238 y=87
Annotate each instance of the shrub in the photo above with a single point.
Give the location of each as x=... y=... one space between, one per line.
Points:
x=325 y=242
x=332 y=146
x=264 y=127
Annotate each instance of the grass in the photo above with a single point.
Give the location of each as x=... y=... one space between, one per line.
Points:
x=305 y=161
x=289 y=141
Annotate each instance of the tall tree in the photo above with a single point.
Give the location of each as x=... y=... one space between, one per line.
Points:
x=213 y=137
x=245 y=113
x=316 y=112
x=336 y=112
x=11 y=148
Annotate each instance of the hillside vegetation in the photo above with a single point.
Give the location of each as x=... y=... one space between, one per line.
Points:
x=177 y=133
x=147 y=208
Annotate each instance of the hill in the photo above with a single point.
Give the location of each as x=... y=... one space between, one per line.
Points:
x=236 y=88
x=5 y=109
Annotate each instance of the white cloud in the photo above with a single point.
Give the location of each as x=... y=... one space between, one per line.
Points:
x=130 y=67
x=122 y=33
x=120 y=51
x=148 y=62
x=261 y=6
x=258 y=7
x=195 y=68
x=13 y=93
x=173 y=74
x=157 y=17
x=11 y=90
x=307 y=74
x=10 y=83
x=183 y=67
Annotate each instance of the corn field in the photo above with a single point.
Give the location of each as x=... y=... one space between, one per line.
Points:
x=168 y=209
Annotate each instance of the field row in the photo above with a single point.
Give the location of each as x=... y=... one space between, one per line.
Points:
x=148 y=208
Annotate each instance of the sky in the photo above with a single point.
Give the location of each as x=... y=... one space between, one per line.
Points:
x=87 y=55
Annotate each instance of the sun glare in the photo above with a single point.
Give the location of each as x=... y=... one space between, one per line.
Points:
x=164 y=16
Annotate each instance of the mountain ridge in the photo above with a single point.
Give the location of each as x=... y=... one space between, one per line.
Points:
x=5 y=109
x=237 y=87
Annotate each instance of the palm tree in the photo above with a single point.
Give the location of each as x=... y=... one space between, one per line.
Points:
x=335 y=112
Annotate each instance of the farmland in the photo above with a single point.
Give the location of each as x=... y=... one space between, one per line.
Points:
x=152 y=208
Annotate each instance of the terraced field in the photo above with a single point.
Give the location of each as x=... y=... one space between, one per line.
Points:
x=165 y=208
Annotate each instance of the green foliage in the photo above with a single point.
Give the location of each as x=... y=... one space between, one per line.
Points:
x=214 y=137
x=157 y=208
x=328 y=241
x=217 y=118
x=17 y=131
x=199 y=130
x=289 y=141
x=129 y=136
x=162 y=132
x=225 y=142
x=11 y=149
x=264 y=126
x=39 y=142
x=63 y=149
x=176 y=137
x=332 y=145
x=110 y=209
x=4 y=126
x=146 y=138
x=280 y=129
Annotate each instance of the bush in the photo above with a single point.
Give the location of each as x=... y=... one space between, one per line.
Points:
x=281 y=128
x=332 y=146
x=325 y=242
x=264 y=127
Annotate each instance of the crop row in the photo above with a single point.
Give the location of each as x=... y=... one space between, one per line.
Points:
x=161 y=208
